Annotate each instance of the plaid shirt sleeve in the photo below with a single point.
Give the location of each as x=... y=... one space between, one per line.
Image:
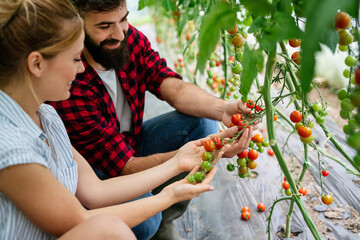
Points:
x=154 y=68
x=93 y=131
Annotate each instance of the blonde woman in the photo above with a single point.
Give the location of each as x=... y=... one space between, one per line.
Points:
x=47 y=189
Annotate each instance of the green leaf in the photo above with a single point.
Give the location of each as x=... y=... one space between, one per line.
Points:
x=252 y=59
x=145 y=3
x=320 y=15
x=330 y=38
x=169 y=5
x=257 y=7
x=285 y=27
x=350 y=6
x=220 y=17
x=257 y=24
x=183 y=21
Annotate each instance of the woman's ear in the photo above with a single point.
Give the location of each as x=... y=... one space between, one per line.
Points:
x=36 y=63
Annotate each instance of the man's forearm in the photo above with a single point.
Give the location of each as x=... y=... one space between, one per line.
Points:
x=138 y=164
x=192 y=100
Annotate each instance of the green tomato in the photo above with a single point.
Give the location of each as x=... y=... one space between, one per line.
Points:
x=353 y=124
x=317 y=107
x=344 y=115
x=241 y=161
x=346 y=73
x=354 y=140
x=265 y=143
x=346 y=105
x=261 y=149
x=347 y=129
x=259 y=145
x=206 y=166
x=357 y=118
x=209 y=81
x=210 y=74
x=355 y=97
x=190 y=178
x=236 y=68
x=307 y=140
x=323 y=112
x=350 y=61
x=212 y=63
x=244 y=98
x=230 y=167
x=235 y=96
x=243 y=169
x=343 y=48
x=288 y=192
x=311 y=125
x=357 y=159
x=320 y=119
x=251 y=144
x=199 y=176
x=241 y=175
x=342 y=94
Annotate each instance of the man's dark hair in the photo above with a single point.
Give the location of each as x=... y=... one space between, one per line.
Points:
x=84 y=6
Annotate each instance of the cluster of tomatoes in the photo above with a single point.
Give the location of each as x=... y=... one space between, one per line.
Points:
x=246 y=159
x=245 y=211
x=350 y=98
x=304 y=131
x=286 y=187
x=208 y=157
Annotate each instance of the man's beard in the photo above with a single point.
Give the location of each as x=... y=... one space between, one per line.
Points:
x=109 y=59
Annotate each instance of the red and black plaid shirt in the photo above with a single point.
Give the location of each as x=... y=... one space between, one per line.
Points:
x=89 y=114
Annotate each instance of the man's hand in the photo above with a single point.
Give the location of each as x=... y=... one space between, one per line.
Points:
x=238 y=145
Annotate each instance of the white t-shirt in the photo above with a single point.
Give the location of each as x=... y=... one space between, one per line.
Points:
x=122 y=108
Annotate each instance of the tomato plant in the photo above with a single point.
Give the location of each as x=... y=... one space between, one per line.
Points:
x=226 y=44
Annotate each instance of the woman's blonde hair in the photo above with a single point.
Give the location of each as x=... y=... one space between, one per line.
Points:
x=47 y=26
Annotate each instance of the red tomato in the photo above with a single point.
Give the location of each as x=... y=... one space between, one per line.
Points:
x=294 y=42
x=296 y=116
x=261 y=207
x=245 y=216
x=236 y=118
x=209 y=146
x=218 y=143
x=325 y=172
x=245 y=209
x=285 y=185
x=304 y=131
x=327 y=199
x=237 y=40
x=258 y=108
x=253 y=154
x=250 y=104
x=275 y=117
x=357 y=76
x=342 y=20
x=303 y=191
x=271 y=152
x=242 y=124
x=296 y=57
x=258 y=138
x=243 y=154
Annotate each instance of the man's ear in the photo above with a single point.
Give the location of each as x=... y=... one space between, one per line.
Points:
x=36 y=63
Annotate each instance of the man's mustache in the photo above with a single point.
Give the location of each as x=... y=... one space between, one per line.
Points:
x=109 y=41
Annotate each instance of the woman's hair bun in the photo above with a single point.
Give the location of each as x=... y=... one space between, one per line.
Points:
x=8 y=9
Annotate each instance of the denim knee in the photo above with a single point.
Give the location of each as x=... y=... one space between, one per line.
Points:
x=148 y=228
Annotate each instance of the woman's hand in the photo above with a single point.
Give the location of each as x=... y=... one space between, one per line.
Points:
x=182 y=190
x=190 y=155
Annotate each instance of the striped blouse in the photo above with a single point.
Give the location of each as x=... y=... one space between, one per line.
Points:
x=22 y=142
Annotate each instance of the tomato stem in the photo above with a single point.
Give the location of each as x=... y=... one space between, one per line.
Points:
x=225 y=63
